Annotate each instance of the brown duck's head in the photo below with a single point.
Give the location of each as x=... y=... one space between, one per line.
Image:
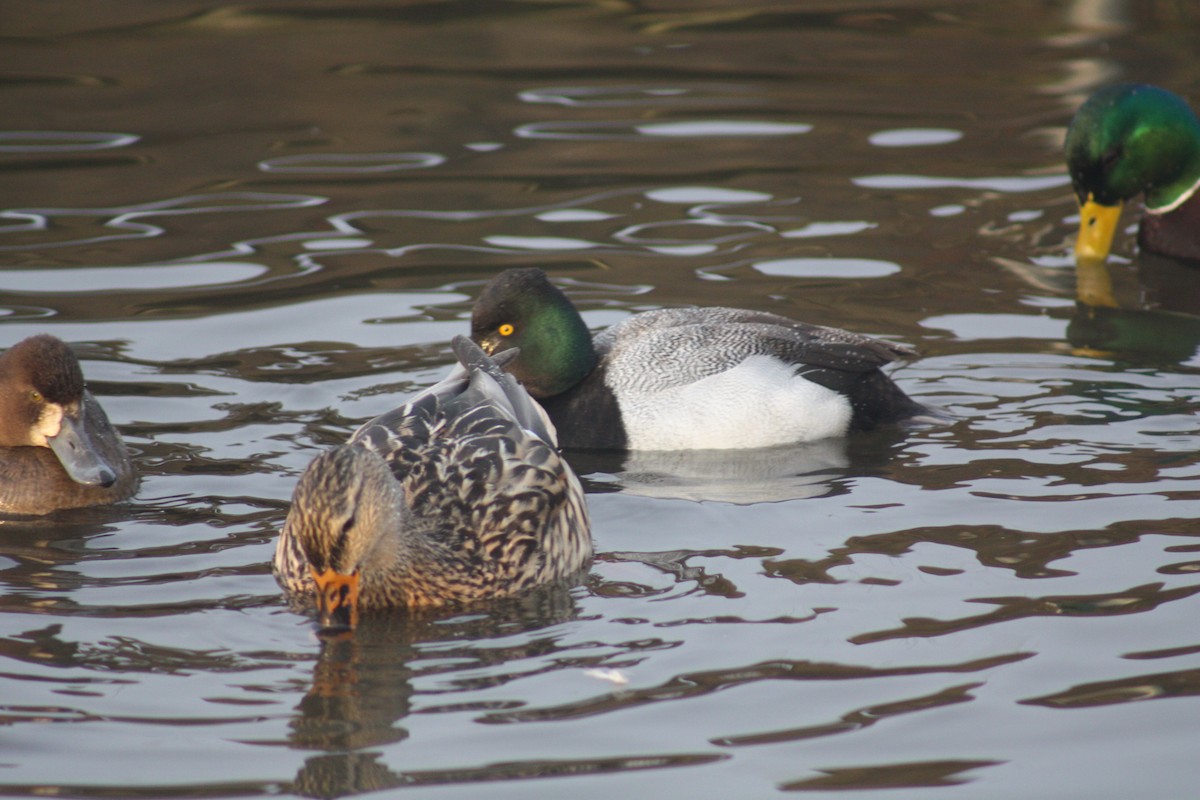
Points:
x=346 y=516
x=43 y=403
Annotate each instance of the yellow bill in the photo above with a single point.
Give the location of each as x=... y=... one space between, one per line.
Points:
x=1097 y=225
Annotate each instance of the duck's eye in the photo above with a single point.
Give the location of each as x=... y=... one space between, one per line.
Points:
x=506 y=329
x=35 y=396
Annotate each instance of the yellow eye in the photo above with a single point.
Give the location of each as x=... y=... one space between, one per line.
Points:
x=505 y=329
x=35 y=396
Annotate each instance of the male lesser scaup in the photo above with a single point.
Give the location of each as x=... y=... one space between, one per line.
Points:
x=687 y=378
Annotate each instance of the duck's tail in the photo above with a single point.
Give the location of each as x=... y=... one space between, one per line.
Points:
x=488 y=380
x=878 y=401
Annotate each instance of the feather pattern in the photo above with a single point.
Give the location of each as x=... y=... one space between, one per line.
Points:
x=688 y=378
x=671 y=347
x=458 y=495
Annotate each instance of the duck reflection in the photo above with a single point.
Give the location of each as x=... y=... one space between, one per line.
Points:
x=742 y=477
x=1169 y=284
x=362 y=684
x=41 y=557
x=1162 y=326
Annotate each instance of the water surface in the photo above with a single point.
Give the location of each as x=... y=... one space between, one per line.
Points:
x=261 y=224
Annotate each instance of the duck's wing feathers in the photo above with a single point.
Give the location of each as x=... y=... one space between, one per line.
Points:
x=476 y=396
x=672 y=347
x=489 y=383
x=478 y=461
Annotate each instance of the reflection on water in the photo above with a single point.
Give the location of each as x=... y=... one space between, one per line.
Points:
x=81 y=227
x=351 y=163
x=148 y=277
x=612 y=130
x=261 y=225
x=1147 y=316
x=764 y=475
x=62 y=141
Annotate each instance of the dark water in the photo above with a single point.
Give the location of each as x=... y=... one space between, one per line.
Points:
x=262 y=223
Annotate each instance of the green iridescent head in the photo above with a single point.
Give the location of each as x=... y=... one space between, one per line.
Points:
x=521 y=308
x=1133 y=138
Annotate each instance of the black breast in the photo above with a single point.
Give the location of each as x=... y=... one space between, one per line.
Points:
x=587 y=415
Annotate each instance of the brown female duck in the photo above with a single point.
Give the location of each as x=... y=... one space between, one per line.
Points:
x=457 y=496
x=57 y=447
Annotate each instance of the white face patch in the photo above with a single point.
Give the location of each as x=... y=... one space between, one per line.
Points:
x=47 y=426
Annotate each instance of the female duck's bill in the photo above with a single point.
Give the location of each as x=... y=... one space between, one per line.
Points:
x=1126 y=140
x=458 y=496
x=687 y=378
x=57 y=448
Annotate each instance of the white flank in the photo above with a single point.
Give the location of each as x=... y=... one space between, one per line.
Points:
x=759 y=403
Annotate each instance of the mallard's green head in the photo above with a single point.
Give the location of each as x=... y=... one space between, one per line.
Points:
x=1130 y=139
x=1123 y=141
x=521 y=308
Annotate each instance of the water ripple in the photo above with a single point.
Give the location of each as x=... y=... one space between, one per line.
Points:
x=632 y=96
x=129 y=279
x=692 y=195
x=1005 y=183
x=636 y=130
x=827 y=267
x=129 y=220
x=62 y=141
x=540 y=242
x=914 y=137
x=351 y=163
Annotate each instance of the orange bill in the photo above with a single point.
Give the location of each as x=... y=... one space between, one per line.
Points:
x=337 y=598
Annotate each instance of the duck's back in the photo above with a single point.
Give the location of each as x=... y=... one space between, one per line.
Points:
x=481 y=475
x=676 y=346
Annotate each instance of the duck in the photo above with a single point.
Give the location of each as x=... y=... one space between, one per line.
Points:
x=1127 y=140
x=459 y=496
x=58 y=449
x=709 y=378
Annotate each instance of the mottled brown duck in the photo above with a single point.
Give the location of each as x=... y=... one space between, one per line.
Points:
x=458 y=496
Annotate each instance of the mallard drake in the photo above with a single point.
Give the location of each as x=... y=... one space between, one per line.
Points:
x=457 y=496
x=57 y=448
x=1130 y=139
x=686 y=378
